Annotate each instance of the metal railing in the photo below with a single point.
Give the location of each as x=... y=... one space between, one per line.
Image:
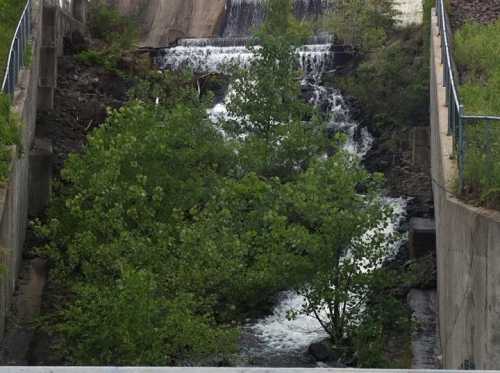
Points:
x=17 y=52
x=457 y=120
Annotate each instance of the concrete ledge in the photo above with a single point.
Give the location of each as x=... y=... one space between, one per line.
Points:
x=214 y=370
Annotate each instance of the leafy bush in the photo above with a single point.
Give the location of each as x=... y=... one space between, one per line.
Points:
x=364 y=24
x=114 y=35
x=476 y=48
x=133 y=322
x=398 y=77
x=122 y=209
x=107 y=24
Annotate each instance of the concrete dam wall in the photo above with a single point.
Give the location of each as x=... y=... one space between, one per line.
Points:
x=468 y=250
x=163 y=22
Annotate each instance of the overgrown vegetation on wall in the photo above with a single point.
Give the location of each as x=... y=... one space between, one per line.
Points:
x=476 y=52
x=10 y=11
x=113 y=35
x=169 y=231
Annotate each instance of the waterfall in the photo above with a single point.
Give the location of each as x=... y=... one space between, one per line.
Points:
x=215 y=55
x=276 y=340
x=243 y=16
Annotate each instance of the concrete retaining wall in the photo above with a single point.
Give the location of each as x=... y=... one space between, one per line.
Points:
x=15 y=192
x=468 y=251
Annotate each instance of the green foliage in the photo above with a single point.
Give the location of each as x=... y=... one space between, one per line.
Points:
x=482 y=157
x=476 y=47
x=133 y=322
x=364 y=24
x=345 y=257
x=9 y=134
x=107 y=24
x=122 y=209
x=384 y=318
x=267 y=113
x=398 y=80
x=167 y=233
x=10 y=11
x=114 y=34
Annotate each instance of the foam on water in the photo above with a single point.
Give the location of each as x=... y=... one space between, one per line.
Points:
x=279 y=333
x=276 y=333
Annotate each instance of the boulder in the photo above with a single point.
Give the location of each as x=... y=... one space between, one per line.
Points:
x=322 y=351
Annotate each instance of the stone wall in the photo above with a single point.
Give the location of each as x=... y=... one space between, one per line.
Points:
x=468 y=251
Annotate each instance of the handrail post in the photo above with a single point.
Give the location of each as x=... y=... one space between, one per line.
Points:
x=461 y=149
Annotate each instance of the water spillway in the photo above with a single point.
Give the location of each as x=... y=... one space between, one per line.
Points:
x=216 y=56
x=243 y=16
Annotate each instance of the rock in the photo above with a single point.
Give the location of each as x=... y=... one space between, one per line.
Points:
x=322 y=351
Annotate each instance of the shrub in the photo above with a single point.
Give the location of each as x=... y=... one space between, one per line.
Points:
x=398 y=79
x=114 y=36
x=115 y=232
x=107 y=24
x=364 y=24
x=476 y=49
x=133 y=322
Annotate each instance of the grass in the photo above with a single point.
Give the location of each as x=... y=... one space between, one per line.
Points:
x=476 y=52
x=10 y=11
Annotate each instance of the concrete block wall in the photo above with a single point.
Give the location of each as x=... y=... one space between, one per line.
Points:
x=468 y=251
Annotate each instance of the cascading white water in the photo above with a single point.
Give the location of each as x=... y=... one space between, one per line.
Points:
x=276 y=340
x=203 y=56
x=218 y=55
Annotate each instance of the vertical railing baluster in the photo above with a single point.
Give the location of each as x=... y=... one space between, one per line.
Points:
x=461 y=149
x=18 y=50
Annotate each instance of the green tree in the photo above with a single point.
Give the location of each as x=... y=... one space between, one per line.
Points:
x=124 y=204
x=277 y=133
x=347 y=240
x=134 y=322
